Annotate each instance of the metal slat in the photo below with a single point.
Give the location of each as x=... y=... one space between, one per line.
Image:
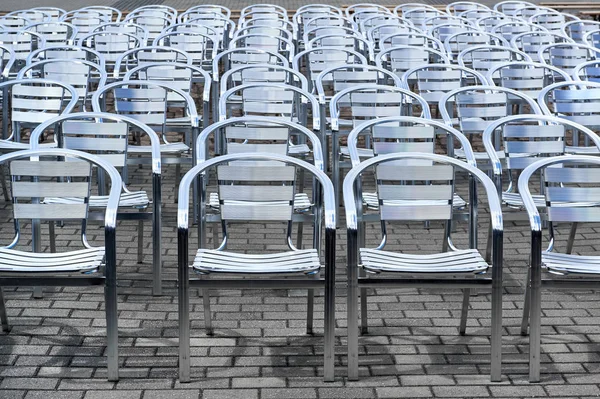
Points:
x=256 y=133
x=47 y=189
x=573 y=214
x=572 y=175
x=389 y=147
x=48 y=169
x=414 y=192
x=50 y=211
x=94 y=128
x=256 y=193
x=273 y=212
x=256 y=173
x=573 y=194
x=434 y=172
x=415 y=212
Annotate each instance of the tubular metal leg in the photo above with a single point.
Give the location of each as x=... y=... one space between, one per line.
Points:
x=535 y=326
x=352 y=323
x=4 y=188
x=488 y=248
x=184 y=321
x=310 y=310
x=207 y=317
x=112 y=330
x=464 y=313
x=571 y=240
x=140 y=248
x=177 y=179
x=3 y=315
x=52 y=235
x=526 y=306
x=364 y=318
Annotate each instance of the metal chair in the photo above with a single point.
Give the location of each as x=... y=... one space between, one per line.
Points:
x=125 y=27
x=510 y=29
x=65 y=52
x=301 y=266
x=458 y=268
x=148 y=102
x=410 y=38
x=85 y=20
x=576 y=102
x=111 y=45
x=22 y=43
x=570 y=185
x=273 y=44
x=510 y=6
x=577 y=30
x=32 y=179
x=54 y=12
x=361 y=103
x=105 y=136
x=552 y=21
x=592 y=38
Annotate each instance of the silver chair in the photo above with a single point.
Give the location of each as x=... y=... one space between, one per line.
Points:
x=148 y=55
x=105 y=136
x=32 y=179
x=55 y=32
x=297 y=268
x=400 y=59
x=482 y=58
x=65 y=52
x=567 y=56
x=589 y=71
x=531 y=42
x=525 y=77
x=570 y=185
x=457 y=268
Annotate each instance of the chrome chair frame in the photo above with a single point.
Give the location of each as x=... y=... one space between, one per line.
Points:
x=185 y=282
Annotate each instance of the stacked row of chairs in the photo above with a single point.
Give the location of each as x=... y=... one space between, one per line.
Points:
x=262 y=108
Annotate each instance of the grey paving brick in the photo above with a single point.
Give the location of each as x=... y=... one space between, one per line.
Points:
x=404 y=392
x=113 y=395
x=229 y=394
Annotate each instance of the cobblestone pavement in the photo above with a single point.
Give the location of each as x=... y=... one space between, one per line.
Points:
x=260 y=350
x=10 y=5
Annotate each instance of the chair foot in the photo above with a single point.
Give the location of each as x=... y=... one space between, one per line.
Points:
x=3 y=314
x=38 y=292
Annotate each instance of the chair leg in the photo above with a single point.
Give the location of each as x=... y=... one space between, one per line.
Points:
x=310 y=311
x=140 y=248
x=52 y=234
x=112 y=332
x=535 y=322
x=571 y=240
x=3 y=315
x=207 y=317
x=4 y=188
x=526 y=305
x=352 y=304
x=364 y=318
x=177 y=179
x=488 y=248
x=464 y=311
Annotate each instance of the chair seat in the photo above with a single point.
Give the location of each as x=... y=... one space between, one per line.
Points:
x=85 y=260
x=298 y=149
x=170 y=148
x=372 y=201
x=462 y=261
x=585 y=150
x=514 y=200
x=301 y=201
x=292 y=262
x=138 y=199
x=460 y=153
x=570 y=264
x=362 y=152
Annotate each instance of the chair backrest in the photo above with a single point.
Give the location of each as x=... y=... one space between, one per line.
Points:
x=201 y=48
x=366 y=102
x=7 y=60
x=335 y=79
x=405 y=134
x=410 y=38
x=55 y=32
x=592 y=38
x=576 y=30
x=149 y=55
x=458 y=42
x=553 y=21
x=265 y=42
x=244 y=56
x=22 y=42
x=510 y=29
x=111 y=44
x=567 y=56
x=376 y=33
x=54 y=12
x=400 y=59
x=434 y=80
x=125 y=27
x=14 y=22
x=531 y=42
x=34 y=101
x=483 y=58
x=526 y=77
x=574 y=101
x=314 y=61
x=527 y=138
x=34 y=16
x=85 y=21
x=266 y=73
x=589 y=71
x=459 y=7
x=478 y=106
x=418 y=15
x=510 y=6
x=70 y=52
x=77 y=73
x=111 y=13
